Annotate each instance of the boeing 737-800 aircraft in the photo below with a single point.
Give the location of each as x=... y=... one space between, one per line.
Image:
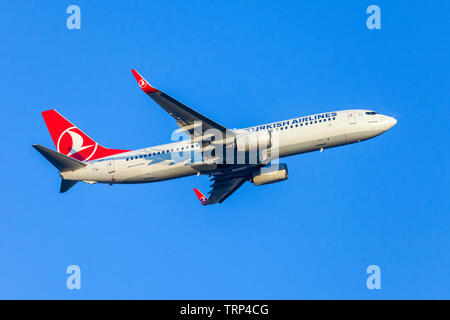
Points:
x=229 y=156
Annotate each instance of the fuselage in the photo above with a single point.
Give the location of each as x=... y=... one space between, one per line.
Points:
x=180 y=159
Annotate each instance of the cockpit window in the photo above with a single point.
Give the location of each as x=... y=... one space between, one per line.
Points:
x=371 y=113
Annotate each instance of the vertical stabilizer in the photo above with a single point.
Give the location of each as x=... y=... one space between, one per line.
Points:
x=71 y=141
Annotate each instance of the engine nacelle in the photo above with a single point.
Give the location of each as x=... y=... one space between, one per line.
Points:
x=270 y=174
x=253 y=141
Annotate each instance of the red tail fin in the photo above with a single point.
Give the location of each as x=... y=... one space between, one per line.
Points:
x=71 y=141
x=201 y=197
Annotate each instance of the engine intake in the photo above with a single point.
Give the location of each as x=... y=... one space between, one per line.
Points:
x=270 y=174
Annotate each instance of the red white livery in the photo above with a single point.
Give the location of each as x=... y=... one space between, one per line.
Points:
x=228 y=157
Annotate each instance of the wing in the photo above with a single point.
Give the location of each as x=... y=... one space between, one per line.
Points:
x=184 y=116
x=228 y=178
x=222 y=189
x=225 y=183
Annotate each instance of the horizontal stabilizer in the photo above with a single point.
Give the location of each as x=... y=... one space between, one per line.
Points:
x=61 y=162
x=66 y=185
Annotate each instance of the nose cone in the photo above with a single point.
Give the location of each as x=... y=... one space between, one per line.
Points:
x=390 y=122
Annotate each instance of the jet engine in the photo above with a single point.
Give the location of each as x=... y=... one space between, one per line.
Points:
x=272 y=174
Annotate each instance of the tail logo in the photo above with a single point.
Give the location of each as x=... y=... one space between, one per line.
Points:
x=71 y=143
x=142 y=83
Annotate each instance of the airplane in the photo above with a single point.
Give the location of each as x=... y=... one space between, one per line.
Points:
x=230 y=157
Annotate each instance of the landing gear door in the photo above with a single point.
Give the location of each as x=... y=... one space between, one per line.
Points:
x=351 y=117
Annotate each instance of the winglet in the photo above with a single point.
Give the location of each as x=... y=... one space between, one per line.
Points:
x=201 y=197
x=145 y=86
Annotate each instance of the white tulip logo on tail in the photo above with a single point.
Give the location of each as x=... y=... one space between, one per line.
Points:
x=142 y=83
x=71 y=143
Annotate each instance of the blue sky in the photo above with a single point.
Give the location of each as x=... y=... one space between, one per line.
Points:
x=382 y=202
